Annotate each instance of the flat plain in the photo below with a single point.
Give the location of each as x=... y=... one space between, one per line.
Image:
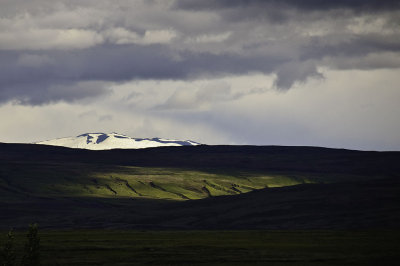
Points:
x=288 y=247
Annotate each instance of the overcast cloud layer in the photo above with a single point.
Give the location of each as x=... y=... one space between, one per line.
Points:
x=213 y=71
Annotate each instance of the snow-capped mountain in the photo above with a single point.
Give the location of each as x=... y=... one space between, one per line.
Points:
x=103 y=141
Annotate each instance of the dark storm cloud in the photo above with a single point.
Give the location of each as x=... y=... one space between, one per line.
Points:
x=43 y=92
x=354 y=46
x=49 y=82
x=281 y=11
x=68 y=50
x=63 y=69
x=312 y=5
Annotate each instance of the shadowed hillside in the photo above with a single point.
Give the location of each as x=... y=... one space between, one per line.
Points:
x=236 y=187
x=285 y=158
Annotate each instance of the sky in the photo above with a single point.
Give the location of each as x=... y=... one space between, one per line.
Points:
x=257 y=72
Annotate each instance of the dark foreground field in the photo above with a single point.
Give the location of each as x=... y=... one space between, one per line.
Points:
x=351 y=206
x=107 y=247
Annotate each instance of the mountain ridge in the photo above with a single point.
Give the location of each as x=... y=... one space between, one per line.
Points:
x=108 y=141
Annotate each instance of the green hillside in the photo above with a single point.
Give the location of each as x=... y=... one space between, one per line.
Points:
x=179 y=173
x=88 y=180
x=202 y=187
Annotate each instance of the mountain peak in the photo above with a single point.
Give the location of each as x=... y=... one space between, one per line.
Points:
x=107 y=141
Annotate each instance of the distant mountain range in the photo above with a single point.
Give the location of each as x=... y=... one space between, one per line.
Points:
x=104 y=141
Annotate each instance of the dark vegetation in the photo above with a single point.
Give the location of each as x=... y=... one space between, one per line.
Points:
x=31 y=254
x=117 y=247
x=7 y=254
x=310 y=206
x=261 y=158
x=237 y=187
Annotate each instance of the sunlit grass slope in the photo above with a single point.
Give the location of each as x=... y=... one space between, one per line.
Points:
x=179 y=173
x=201 y=187
x=73 y=179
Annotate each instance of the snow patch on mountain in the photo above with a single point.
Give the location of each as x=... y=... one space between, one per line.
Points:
x=103 y=141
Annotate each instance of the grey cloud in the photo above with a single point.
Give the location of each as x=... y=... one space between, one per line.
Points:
x=372 y=5
x=143 y=40
x=43 y=93
x=33 y=60
x=318 y=47
x=184 y=98
x=293 y=72
x=280 y=12
x=369 y=62
x=210 y=94
x=113 y=63
x=132 y=96
x=105 y=118
x=92 y=114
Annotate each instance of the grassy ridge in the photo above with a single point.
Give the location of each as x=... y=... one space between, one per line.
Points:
x=88 y=180
x=251 y=158
x=180 y=173
x=70 y=174
x=257 y=188
x=107 y=247
x=49 y=179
